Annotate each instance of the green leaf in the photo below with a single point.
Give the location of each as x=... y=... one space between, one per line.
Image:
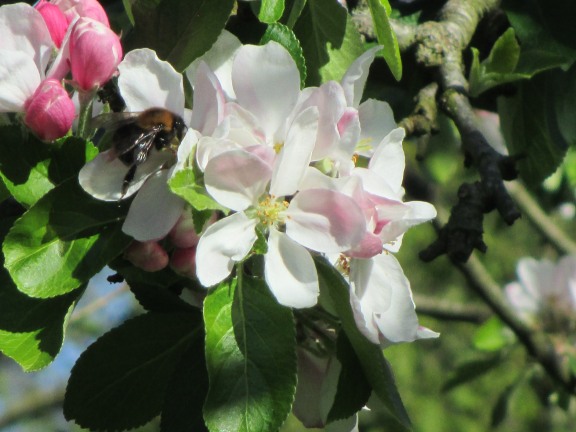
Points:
x=500 y=410
x=380 y=11
x=62 y=241
x=471 y=370
x=186 y=392
x=353 y=388
x=120 y=381
x=4 y=192
x=30 y=168
x=546 y=32
x=179 y=31
x=184 y=185
x=499 y=68
x=155 y=291
x=270 y=11
x=329 y=40
x=285 y=37
x=250 y=356
x=492 y=336
x=375 y=367
x=31 y=330
x=529 y=123
x=565 y=103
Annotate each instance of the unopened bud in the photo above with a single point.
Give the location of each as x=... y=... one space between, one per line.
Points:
x=149 y=256
x=49 y=111
x=55 y=21
x=95 y=53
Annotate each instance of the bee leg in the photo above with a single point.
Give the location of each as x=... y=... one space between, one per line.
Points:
x=128 y=179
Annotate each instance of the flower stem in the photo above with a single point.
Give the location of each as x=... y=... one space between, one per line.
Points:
x=86 y=101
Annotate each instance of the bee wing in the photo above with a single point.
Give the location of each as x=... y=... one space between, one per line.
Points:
x=113 y=120
x=144 y=143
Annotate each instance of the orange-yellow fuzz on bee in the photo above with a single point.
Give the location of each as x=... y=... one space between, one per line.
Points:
x=270 y=211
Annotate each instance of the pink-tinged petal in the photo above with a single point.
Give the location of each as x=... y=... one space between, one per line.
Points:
x=224 y=243
x=370 y=245
x=149 y=256
x=183 y=234
x=55 y=20
x=377 y=121
x=237 y=178
x=95 y=52
x=103 y=176
x=19 y=79
x=154 y=211
x=385 y=298
x=295 y=154
x=146 y=81
x=83 y=8
x=388 y=160
x=209 y=148
x=220 y=58
x=290 y=272
x=325 y=221
x=49 y=111
x=23 y=29
x=355 y=77
x=208 y=102
x=267 y=83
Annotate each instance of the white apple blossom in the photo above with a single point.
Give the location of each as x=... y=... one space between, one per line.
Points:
x=545 y=293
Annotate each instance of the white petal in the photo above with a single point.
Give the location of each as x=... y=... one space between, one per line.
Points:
x=267 y=83
x=325 y=220
x=388 y=160
x=103 y=176
x=385 y=298
x=146 y=81
x=404 y=216
x=237 y=178
x=535 y=276
x=23 y=29
x=355 y=77
x=155 y=210
x=377 y=121
x=19 y=78
x=222 y=245
x=208 y=101
x=290 y=272
x=295 y=156
x=220 y=58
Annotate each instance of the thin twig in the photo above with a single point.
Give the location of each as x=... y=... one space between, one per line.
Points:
x=450 y=311
x=540 y=220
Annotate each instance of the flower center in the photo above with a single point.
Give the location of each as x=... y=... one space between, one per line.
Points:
x=270 y=211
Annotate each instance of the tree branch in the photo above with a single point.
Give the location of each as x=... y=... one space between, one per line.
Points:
x=450 y=311
x=540 y=220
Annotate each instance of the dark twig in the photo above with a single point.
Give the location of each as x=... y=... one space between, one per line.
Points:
x=446 y=310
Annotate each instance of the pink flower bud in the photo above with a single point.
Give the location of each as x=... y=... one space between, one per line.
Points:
x=49 y=111
x=149 y=256
x=183 y=261
x=183 y=235
x=95 y=53
x=55 y=21
x=83 y=8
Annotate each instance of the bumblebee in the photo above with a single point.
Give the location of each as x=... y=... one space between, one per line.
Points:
x=136 y=134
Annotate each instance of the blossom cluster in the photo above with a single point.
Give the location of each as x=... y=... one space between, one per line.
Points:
x=40 y=46
x=311 y=171
x=294 y=172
